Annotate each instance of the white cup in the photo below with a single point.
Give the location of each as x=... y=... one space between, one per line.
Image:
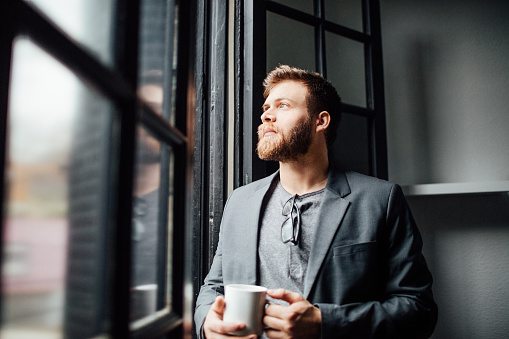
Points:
x=143 y=301
x=245 y=303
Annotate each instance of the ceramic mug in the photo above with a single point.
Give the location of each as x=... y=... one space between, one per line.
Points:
x=246 y=304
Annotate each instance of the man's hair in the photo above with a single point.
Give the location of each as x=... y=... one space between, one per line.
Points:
x=322 y=96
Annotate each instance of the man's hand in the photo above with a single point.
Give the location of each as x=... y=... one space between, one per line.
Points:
x=215 y=327
x=299 y=320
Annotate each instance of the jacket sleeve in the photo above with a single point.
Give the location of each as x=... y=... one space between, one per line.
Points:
x=406 y=308
x=212 y=287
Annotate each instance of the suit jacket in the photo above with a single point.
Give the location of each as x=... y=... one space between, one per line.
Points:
x=366 y=271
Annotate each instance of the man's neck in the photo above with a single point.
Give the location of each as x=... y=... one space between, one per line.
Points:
x=307 y=174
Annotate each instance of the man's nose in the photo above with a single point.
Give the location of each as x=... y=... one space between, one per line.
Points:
x=267 y=116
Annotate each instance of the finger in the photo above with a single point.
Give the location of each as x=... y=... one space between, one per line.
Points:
x=274 y=334
x=226 y=328
x=285 y=295
x=273 y=323
x=276 y=311
x=218 y=327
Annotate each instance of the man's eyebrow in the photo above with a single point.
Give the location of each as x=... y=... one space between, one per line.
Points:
x=284 y=98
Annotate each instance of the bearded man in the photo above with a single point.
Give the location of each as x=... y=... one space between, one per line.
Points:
x=339 y=251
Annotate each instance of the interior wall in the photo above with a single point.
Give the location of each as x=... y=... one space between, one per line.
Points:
x=466 y=241
x=446 y=80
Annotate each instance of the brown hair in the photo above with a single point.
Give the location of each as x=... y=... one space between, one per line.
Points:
x=322 y=96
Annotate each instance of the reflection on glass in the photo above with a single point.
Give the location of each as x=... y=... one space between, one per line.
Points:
x=301 y=5
x=289 y=42
x=86 y=21
x=157 y=62
x=152 y=231
x=345 y=68
x=44 y=278
x=345 y=13
x=350 y=150
x=152 y=200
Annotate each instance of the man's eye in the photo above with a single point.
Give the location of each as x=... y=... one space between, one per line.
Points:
x=283 y=105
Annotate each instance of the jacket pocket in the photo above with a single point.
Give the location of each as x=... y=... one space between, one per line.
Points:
x=354 y=248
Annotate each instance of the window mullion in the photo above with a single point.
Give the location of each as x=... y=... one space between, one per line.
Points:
x=126 y=61
x=320 y=51
x=375 y=87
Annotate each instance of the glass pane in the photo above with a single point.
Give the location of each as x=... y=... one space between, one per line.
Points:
x=289 y=42
x=157 y=60
x=350 y=150
x=345 y=68
x=89 y=22
x=345 y=12
x=301 y=5
x=53 y=276
x=152 y=231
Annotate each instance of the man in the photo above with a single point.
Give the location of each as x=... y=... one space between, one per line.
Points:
x=339 y=251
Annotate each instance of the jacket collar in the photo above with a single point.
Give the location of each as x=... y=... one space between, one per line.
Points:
x=337 y=182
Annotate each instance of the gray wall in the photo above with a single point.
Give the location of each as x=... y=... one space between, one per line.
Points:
x=446 y=71
x=466 y=244
x=446 y=66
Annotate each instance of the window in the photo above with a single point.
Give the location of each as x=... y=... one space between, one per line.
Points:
x=339 y=39
x=95 y=171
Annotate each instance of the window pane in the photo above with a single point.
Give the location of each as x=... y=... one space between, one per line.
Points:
x=289 y=42
x=157 y=61
x=345 y=12
x=345 y=68
x=301 y=5
x=350 y=150
x=89 y=22
x=57 y=178
x=152 y=231
x=152 y=200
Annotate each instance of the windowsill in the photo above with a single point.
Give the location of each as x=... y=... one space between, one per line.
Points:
x=456 y=188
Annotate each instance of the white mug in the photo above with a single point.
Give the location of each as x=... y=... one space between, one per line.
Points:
x=245 y=303
x=143 y=301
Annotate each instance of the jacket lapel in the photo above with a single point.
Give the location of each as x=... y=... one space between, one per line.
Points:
x=249 y=253
x=332 y=211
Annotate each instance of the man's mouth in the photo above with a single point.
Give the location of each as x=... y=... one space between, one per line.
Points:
x=267 y=131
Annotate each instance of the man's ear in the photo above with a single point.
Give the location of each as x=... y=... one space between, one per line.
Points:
x=322 y=121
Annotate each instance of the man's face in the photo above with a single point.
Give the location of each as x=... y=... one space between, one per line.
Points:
x=285 y=133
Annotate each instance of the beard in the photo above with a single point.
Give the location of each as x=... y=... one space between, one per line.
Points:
x=285 y=147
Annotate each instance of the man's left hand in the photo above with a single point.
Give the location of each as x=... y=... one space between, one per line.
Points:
x=299 y=320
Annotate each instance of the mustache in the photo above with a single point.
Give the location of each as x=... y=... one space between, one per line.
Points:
x=268 y=125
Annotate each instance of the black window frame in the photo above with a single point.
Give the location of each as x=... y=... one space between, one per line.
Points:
x=19 y=18
x=251 y=63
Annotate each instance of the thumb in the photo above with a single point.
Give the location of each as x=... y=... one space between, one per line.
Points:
x=218 y=306
x=285 y=295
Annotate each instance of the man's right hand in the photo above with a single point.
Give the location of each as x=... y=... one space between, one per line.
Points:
x=214 y=326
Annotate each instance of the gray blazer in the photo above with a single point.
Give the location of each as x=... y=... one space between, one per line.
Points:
x=366 y=271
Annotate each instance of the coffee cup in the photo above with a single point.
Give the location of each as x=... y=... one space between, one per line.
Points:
x=246 y=304
x=143 y=301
